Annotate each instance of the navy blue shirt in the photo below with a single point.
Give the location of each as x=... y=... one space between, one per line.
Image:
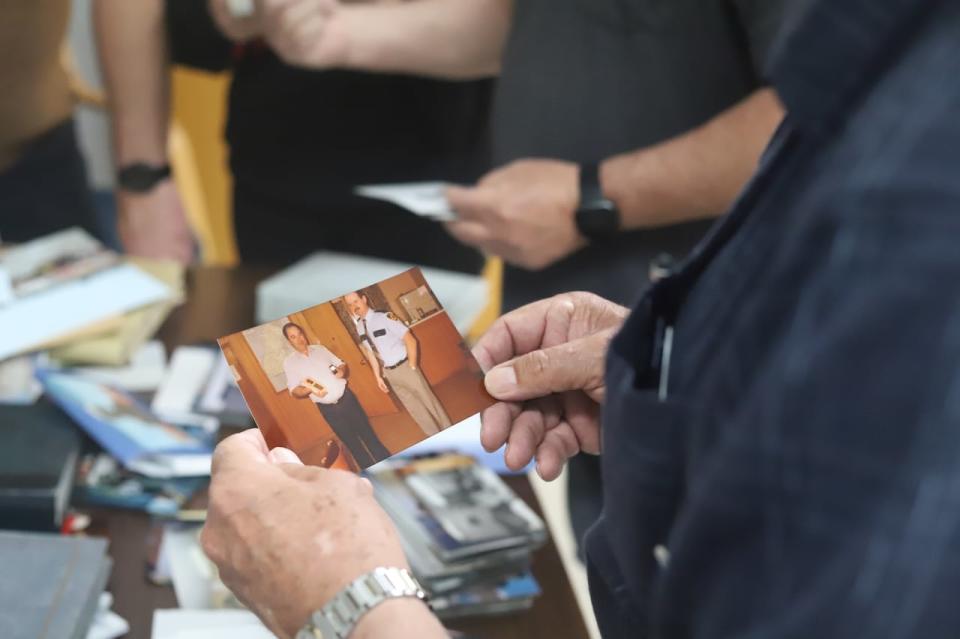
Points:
x=801 y=462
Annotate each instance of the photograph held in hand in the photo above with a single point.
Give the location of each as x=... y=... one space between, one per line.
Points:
x=351 y=381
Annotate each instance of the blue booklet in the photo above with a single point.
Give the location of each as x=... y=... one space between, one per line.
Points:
x=128 y=430
x=511 y=594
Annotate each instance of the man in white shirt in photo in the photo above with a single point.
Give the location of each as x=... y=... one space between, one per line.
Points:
x=314 y=373
x=394 y=356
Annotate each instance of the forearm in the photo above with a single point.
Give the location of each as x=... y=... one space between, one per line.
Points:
x=413 y=348
x=696 y=175
x=372 y=360
x=132 y=43
x=301 y=392
x=457 y=39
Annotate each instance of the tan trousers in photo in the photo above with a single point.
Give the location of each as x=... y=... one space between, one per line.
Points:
x=417 y=397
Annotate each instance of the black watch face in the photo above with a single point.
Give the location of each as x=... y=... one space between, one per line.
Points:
x=599 y=221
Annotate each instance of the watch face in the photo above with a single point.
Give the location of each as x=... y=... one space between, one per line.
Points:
x=599 y=220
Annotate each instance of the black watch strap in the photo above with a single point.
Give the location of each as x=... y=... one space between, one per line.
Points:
x=141 y=177
x=597 y=216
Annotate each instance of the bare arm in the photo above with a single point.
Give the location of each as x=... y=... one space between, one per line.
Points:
x=456 y=39
x=132 y=43
x=413 y=349
x=448 y=38
x=133 y=55
x=696 y=175
x=371 y=357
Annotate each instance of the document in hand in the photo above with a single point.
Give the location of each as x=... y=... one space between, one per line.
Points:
x=354 y=380
x=126 y=429
x=426 y=199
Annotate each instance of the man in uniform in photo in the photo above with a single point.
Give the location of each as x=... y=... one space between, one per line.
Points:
x=314 y=373
x=393 y=353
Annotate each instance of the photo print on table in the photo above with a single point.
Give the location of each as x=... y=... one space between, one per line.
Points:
x=356 y=379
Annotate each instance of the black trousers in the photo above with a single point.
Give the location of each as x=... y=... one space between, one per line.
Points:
x=46 y=189
x=353 y=428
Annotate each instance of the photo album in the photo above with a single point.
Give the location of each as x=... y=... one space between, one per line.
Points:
x=356 y=379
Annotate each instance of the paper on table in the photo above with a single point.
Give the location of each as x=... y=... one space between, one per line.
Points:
x=190 y=368
x=426 y=199
x=107 y=624
x=18 y=385
x=208 y=624
x=463 y=437
x=113 y=342
x=330 y=274
x=32 y=321
x=190 y=570
x=144 y=372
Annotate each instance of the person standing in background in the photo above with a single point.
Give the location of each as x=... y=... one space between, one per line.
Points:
x=300 y=140
x=620 y=128
x=43 y=180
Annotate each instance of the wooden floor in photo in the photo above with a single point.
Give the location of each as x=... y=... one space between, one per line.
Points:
x=457 y=393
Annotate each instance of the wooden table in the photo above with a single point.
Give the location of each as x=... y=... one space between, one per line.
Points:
x=221 y=301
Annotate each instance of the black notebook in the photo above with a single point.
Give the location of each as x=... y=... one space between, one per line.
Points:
x=38 y=461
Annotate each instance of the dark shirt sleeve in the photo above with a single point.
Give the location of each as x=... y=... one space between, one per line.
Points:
x=760 y=21
x=194 y=38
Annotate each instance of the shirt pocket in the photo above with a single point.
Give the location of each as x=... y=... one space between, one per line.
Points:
x=645 y=435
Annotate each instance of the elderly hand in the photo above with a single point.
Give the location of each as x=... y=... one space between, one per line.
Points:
x=545 y=362
x=523 y=212
x=287 y=537
x=307 y=33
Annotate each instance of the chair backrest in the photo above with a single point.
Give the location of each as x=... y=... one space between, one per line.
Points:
x=198 y=155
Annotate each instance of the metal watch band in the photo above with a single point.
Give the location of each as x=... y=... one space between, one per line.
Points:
x=337 y=619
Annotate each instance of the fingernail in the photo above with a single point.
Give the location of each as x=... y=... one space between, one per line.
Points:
x=501 y=381
x=284 y=456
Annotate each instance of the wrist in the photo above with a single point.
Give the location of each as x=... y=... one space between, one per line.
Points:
x=395 y=613
x=367 y=605
x=142 y=177
x=597 y=216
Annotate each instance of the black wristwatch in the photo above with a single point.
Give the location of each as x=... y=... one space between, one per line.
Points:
x=141 y=177
x=597 y=216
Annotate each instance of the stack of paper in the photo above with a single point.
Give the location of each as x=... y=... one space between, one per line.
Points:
x=116 y=341
x=467 y=536
x=67 y=287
